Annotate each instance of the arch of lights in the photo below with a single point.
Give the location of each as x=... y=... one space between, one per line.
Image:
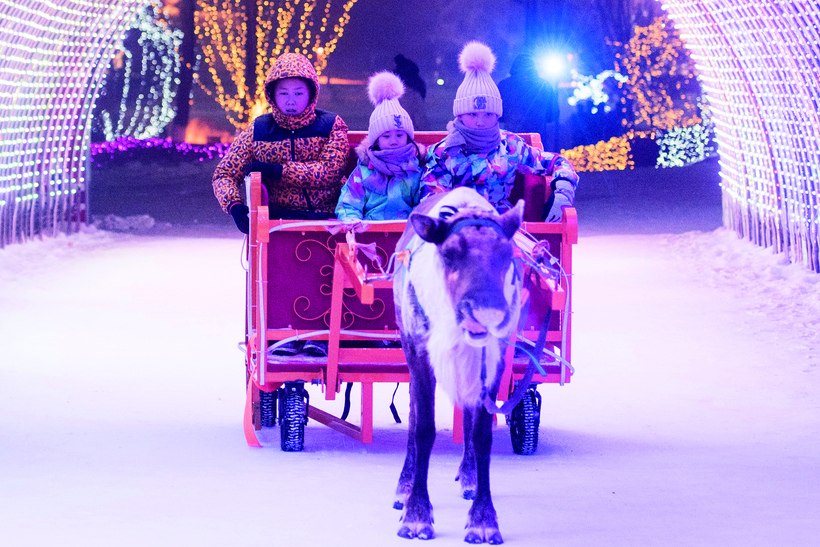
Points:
x=53 y=54
x=759 y=62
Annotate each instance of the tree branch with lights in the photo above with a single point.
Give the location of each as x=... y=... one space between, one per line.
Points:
x=240 y=39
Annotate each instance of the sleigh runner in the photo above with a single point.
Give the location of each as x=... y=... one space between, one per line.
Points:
x=306 y=281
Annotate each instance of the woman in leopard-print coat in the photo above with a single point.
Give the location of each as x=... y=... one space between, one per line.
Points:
x=301 y=156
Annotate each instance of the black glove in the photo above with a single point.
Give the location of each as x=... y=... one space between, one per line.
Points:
x=271 y=172
x=239 y=212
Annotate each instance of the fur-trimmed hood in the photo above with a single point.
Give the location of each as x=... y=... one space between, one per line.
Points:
x=293 y=65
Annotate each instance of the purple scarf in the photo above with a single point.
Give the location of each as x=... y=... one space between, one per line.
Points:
x=395 y=162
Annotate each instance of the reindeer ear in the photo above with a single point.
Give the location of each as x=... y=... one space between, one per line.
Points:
x=431 y=230
x=510 y=221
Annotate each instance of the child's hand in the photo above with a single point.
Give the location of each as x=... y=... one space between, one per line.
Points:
x=351 y=225
x=555 y=207
x=563 y=194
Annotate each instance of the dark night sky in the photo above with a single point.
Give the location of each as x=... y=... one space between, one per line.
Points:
x=431 y=33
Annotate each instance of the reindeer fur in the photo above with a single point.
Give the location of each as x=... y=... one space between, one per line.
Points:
x=455 y=302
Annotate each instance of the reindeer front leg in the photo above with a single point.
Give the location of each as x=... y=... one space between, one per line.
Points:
x=467 y=471
x=417 y=520
x=482 y=523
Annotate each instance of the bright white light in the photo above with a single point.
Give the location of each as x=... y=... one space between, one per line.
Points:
x=551 y=65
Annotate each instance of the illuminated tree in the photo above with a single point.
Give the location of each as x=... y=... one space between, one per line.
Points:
x=137 y=98
x=239 y=38
x=180 y=14
x=661 y=91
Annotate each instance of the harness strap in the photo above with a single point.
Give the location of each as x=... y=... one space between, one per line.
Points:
x=479 y=222
x=524 y=383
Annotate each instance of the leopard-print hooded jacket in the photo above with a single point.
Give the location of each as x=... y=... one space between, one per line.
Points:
x=308 y=151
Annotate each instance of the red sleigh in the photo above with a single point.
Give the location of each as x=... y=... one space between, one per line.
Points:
x=306 y=281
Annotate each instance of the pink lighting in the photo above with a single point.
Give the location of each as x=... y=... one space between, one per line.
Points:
x=760 y=66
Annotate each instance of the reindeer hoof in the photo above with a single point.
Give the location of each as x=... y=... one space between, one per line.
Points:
x=495 y=539
x=477 y=536
x=425 y=533
x=472 y=537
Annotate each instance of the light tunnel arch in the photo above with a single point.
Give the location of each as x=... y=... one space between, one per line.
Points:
x=759 y=62
x=53 y=55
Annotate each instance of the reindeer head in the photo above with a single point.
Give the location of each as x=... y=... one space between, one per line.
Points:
x=476 y=252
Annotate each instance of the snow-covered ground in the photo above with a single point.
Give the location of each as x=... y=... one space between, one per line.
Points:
x=693 y=419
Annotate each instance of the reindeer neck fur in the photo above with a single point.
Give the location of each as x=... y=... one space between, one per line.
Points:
x=457 y=365
x=445 y=339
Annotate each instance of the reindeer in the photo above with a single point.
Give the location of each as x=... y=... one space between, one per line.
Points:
x=456 y=301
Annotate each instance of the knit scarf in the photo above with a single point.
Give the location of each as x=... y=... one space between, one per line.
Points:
x=474 y=141
x=393 y=162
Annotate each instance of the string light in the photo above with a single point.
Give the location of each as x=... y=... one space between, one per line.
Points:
x=52 y=57
x=759 y=62
x=659 y=73
x=221 y=27
x=611 y=155
x=153 y=150
x=658 y=101
x=593 y=88
x=143 y=110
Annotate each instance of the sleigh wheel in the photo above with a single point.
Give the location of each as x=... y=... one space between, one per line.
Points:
x=267 y=408
x=525 y=421
x=293 y=404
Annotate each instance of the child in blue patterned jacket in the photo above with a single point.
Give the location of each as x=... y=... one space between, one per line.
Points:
x=477 y=153
x=385 y=184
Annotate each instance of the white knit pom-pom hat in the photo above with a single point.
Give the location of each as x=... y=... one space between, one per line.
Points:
x=478 y=92
x=384 y=90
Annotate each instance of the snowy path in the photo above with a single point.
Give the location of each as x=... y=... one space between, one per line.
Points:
x=693 y=420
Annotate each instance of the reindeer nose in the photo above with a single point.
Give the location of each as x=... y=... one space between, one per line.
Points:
x=489 y=317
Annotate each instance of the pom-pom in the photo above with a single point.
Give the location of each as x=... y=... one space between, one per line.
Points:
x=384 y=86
x=476 y=56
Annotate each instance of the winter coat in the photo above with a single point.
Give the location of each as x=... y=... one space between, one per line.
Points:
x=307 y=151
x=362 y=201
x=492 y=174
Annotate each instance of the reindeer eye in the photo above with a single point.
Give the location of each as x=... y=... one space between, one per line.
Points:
x=453 y=249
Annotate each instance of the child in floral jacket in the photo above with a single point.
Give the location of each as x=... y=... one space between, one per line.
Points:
x=300 y=150
x=478 y=154
x=385 y=184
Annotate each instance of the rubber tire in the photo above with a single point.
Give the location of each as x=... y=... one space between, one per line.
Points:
x=267 y=408
x=293 y=417
x=525 y=420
